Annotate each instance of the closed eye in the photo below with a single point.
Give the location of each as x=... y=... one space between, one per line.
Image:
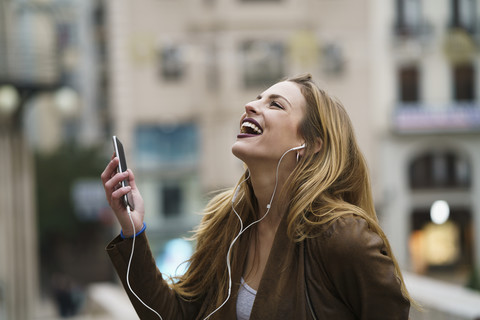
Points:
x=276 y=104
x=273 y=102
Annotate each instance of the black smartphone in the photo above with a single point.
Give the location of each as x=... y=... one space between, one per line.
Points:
x=122 y=167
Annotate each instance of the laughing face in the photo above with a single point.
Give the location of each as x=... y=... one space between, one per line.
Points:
x=270 y=124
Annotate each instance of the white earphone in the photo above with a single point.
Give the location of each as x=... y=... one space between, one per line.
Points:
x=298 y=148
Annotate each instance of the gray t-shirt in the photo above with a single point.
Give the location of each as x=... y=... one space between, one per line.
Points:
x=245 y=299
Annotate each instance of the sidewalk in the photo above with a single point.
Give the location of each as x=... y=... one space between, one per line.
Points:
x=442 y=300
x=104 y=301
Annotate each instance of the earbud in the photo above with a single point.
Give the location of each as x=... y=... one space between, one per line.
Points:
x=298 y=148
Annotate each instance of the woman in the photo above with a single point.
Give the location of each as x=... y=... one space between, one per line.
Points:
x=300 y=229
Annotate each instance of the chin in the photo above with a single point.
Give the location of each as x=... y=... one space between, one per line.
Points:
x=238 y=151
x=244 y=151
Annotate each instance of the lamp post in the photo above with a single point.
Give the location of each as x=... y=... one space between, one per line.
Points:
x=8 y=104
x=28 y=65
x=18 y=228
x=9 y=99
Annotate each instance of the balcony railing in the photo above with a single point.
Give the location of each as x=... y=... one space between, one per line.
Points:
x=417 y=118
x=421 y=31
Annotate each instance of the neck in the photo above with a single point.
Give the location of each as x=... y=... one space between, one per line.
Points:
x=267 y=188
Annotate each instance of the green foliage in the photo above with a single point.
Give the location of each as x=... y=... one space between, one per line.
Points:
x=55 y=174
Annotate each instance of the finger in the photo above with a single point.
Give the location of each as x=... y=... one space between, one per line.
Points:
x=112 y=185
x=120 y=192
x=116 y=180
x=109 y=170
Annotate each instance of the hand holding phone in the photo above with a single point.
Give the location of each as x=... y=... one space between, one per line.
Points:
x=122 y=167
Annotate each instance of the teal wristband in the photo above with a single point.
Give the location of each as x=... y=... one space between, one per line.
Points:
x=136 y=234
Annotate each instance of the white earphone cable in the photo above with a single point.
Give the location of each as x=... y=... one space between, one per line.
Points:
x=269 y=205
x=130 y=263
x=242 y=230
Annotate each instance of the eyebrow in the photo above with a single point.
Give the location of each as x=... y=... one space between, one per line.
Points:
x=275 y=96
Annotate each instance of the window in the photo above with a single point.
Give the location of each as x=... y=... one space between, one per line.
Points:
x=464 y=82
x=173 y=146
x=172 y=64
x=408 y=82
x=333 y=60
x=441 y=238
x=408 y=17
x=172 y=198
x=437 y=170
x=437 y=247
x=463 y=14
x=166 y=160
x=263 y=63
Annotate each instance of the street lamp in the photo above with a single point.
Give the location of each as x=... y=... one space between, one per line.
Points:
x=439 y=212
x=29 y=65
x=9 y=100
x=67 y=101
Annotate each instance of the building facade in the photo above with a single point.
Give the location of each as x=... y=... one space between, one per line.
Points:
x=426 y=92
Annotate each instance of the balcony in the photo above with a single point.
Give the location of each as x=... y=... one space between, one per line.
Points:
x=418 y=33
x=417 y=118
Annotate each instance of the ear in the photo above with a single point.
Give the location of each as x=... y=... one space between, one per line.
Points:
x=318 y=145
x=316 y=148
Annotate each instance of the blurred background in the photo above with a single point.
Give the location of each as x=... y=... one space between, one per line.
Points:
x=170 y=78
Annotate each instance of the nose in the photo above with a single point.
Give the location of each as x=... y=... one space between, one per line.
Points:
x=250 y=108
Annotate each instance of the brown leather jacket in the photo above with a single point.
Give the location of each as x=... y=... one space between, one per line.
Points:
x=348 y=273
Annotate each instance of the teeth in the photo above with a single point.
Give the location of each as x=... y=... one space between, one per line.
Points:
x=252 y=126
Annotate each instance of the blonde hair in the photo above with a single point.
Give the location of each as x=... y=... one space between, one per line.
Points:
x=335 y=181
x=324 y=186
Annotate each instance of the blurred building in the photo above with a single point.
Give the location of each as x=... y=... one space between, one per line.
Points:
x=58 y=42
x=75 y=113
x=426 y=92
x=182 y=72
x=51 y=89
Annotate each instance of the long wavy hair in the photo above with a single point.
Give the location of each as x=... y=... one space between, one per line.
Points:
x=323 y=187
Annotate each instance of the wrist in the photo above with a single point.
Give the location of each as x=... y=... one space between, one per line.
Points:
x=135 y=232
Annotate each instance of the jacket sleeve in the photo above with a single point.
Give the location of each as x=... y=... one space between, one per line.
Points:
x=360 y=271
x=147 y=282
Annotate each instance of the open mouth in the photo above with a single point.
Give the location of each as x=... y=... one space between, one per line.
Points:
x=251 y=127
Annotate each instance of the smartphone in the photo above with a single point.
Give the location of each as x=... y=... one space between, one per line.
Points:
x=122 y=167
